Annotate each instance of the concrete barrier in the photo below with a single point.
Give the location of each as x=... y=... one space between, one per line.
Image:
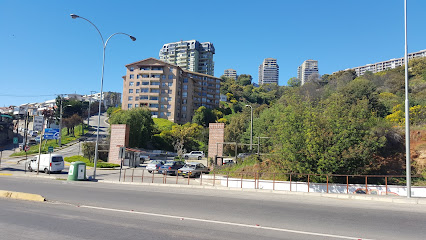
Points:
x=22 y=196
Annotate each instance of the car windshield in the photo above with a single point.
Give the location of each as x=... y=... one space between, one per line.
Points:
x=156 y=161
x=168 y=164
x=189 y=166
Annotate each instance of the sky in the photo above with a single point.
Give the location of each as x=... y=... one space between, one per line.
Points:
x=44 y=52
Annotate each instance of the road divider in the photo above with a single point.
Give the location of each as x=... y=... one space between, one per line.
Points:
x=22 y=196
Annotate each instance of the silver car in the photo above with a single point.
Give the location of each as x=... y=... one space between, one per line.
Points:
x=154 y=165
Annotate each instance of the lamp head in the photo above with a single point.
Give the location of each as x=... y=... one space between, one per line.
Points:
x=74 y=16
x=133 y=38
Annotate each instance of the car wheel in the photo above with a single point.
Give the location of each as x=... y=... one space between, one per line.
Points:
x=199 y=158
x=46 y=170
x=149 y=171
x=30 y=169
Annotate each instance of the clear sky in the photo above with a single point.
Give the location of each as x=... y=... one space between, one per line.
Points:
x=43 y=52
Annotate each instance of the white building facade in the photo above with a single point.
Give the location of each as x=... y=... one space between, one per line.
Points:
x=190 y=55
x=308 y=68
x=268 y=71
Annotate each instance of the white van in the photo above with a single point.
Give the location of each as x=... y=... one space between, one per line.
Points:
x=48 y=163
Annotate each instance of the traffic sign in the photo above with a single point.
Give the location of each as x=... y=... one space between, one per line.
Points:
x=50 y=149
x=51 y=133
x=15 y=140
x=27 y=148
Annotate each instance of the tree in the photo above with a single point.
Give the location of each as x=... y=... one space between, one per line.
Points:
x=140 y=123
x=293 y=82
x=244 y=79
x=184 y=136
x=203 y=116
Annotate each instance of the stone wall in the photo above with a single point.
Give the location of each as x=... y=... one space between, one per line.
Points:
x=119 y=137
x=216 y=135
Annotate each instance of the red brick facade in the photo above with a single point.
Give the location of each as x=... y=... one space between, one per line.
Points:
x=119 y=137
x=216 y=135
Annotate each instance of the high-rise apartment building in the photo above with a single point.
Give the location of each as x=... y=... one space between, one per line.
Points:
x=268 y=71
x=385 y=65
x=190 y=55
x=305 y=70
x=167 y=90
x=231 y=73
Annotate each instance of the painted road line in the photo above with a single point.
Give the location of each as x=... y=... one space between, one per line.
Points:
x=5 y=174
x=227 y=223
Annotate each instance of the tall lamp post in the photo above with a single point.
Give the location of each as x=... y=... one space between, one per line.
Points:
x=88 y=111
x=251 y=126
x=407 y=112
x=104 y=44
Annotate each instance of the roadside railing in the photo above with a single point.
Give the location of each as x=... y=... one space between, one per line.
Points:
x=294 y=182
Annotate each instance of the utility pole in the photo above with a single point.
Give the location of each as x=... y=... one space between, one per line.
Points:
x=60 y=124
x=88 y=111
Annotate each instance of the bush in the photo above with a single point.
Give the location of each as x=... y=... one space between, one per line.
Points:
x=100 y=164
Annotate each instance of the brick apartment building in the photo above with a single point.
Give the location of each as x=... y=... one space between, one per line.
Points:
x=169 y=91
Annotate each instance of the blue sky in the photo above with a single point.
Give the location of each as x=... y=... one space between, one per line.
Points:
x=43 y=52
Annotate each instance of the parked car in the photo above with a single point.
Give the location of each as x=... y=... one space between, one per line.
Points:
x=48 y=163
x=228 y=161
x=154 y=165
x=194 y=154
x=243 y=155
x=144 y=157
x=37 y=139
x=32 y=142
x=193 y=169
x=171 y=168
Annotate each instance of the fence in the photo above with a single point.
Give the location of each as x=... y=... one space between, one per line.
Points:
x=298 y=182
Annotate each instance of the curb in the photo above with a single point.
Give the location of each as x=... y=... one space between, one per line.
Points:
x=22 y=196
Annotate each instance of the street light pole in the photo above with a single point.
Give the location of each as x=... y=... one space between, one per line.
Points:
x=88 y=112
x=407 y=112
x=251 y=126
x=60 y=124
x=104 y=44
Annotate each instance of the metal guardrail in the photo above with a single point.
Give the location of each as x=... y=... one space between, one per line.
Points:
x=135 y=175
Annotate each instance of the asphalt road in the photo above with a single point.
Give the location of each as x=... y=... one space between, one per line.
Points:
x=88 y=210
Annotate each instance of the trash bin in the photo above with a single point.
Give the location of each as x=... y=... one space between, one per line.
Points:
x=77 y=171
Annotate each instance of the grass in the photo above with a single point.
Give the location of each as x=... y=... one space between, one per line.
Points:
x=100 y=163
x=163 y=124
x=52 y=143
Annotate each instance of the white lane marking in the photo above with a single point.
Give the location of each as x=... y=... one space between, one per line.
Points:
x=226 y=223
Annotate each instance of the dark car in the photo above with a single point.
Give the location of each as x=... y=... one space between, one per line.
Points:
x=171 y=168
x=193 y=169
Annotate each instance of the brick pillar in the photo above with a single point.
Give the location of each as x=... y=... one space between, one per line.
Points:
x=119 y=137
x=216 y=135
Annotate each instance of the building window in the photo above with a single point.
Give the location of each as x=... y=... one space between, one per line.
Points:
x=136 y=98
x=184 y=94
x=138 y=76
x=169 y=106
x=183 y=108
x=130 y=90
x=145 y=83
x=138 y=90
x=144 y=89
x=184 y=101
x=163 y=91
x=153 y=105
x=163 y=84
x=169 y=99
x=157 y=68
x=154 y=113
x=153 y=98
x=144 y=68
x=155 y=90
x=155 y=83
x=144 y=97
x=138 y=83
x=145 y=76
x=131 y=83
x=132 y=76
x=171 y=69
x=185 y=87
x=163 y=76
x=136 y=105
x=168 y=114
x=130 y=98
x=170 y=84
x=129 y=106
x=185 y=80
x=170 y=77
x=155 y=76
x=131 y=69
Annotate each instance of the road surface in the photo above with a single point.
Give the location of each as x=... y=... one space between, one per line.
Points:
x=88 y=210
